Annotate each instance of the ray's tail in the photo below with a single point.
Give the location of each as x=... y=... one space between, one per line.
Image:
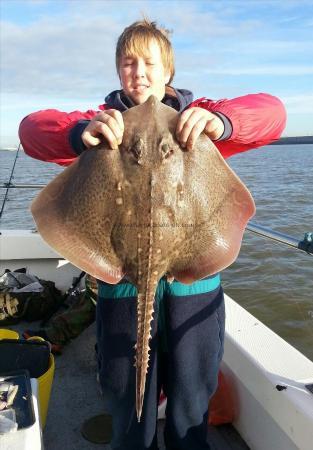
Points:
x=145 y=317
x=148 y=277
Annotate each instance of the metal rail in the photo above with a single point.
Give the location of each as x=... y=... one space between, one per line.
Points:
x=21 y=186
x=306 y=244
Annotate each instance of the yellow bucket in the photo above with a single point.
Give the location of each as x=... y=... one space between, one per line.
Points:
x=44 y=386
x=8 y=334
x=44 y=390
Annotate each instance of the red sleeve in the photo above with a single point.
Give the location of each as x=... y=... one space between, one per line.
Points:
x=45 y=134
x=257 y=120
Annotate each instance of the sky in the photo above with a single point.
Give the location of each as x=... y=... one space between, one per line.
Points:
x=60 y=53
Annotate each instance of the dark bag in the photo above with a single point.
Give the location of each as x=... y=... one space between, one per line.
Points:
x=24 y=296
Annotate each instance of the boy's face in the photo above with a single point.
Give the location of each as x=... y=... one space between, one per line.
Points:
x=142 y=76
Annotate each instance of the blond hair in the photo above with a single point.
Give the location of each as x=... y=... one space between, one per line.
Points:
x=135 y=40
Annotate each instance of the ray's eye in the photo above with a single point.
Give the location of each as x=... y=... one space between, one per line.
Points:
x=166 y=150
x=137 y=149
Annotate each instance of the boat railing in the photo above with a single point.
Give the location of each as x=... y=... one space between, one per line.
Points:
x=305 y=244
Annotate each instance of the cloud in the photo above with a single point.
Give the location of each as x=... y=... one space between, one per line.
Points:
x=50 y=58
x=36 y=3
x=299 y=104
x=263 y=70
x=267 y=47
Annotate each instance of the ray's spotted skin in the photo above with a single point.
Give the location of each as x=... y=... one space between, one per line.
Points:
x=148 y=209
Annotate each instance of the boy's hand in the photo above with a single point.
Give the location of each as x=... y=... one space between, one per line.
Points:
x=195 y=120
x=107 y=124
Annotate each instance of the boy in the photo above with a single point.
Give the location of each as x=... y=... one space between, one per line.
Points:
x=187 y=340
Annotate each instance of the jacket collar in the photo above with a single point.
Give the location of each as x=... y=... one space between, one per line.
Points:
x=178 y=99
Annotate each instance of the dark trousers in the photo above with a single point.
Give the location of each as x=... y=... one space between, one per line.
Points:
x=185 y=365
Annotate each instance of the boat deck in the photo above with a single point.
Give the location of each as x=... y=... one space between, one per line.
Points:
x=76 y=397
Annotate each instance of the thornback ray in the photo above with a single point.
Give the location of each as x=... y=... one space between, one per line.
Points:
x=146 y=210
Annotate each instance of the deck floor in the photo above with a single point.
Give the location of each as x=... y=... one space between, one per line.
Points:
x=76 y=397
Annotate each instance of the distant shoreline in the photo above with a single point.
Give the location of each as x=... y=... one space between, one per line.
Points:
x=294 y=140
x=282 y=141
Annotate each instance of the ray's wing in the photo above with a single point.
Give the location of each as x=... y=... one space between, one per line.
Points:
x=217 y=208
x=75 y=213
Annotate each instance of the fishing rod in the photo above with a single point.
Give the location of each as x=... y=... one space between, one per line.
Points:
x=305 y=245
x=11 y=176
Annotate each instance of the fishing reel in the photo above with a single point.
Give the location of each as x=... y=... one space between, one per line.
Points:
x=307 y=243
